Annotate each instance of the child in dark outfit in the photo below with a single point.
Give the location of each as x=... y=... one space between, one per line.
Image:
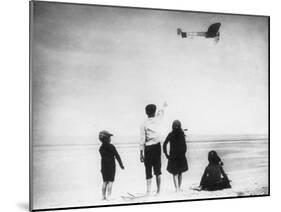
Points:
x=177 y=163
x=214 y=177
x=108 y=154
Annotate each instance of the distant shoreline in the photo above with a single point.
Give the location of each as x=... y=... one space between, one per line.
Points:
x=193 y=141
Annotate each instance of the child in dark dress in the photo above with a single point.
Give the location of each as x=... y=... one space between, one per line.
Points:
x=214 y=177
x=108 y=154
x=177 y=163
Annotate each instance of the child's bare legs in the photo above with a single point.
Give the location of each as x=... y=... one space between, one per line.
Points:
x=180 y=181
x=104 y=186
x=176 y=182
x=158 y=183
x=109 y=189
x=148 y=187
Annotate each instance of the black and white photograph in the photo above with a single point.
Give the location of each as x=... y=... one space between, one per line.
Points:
x=132 y=105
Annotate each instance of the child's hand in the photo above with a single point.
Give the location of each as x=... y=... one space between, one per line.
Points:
x=141 y=158
x=122 y=167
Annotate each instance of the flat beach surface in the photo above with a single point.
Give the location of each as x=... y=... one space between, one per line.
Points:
x=69 y=175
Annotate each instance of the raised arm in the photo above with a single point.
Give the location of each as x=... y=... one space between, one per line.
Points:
x=161 y=111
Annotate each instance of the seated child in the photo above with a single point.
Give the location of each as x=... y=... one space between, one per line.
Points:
x=108 y=154
x=177 y=163
x=214 y=177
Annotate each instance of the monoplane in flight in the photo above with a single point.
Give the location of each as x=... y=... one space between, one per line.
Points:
x=212 y=32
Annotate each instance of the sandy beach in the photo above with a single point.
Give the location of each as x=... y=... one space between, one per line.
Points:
x=69 y=175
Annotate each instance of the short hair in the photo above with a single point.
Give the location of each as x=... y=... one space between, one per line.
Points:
x=150 y=109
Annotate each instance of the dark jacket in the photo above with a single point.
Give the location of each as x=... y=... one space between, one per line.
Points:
x=214 y=178
x=108 y=154
x=177 y=141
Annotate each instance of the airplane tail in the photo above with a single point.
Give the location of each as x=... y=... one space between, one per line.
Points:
x=181 y=33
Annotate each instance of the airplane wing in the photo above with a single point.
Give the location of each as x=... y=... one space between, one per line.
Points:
x=213 y=30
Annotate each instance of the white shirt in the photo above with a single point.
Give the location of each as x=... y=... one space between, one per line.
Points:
x=149 y=131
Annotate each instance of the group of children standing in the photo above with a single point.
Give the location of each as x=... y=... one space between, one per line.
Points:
x=214 y=177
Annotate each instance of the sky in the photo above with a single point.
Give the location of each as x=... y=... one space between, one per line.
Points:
x=96 y=68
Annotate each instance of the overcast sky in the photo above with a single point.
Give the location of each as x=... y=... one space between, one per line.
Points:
x=97 y=67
